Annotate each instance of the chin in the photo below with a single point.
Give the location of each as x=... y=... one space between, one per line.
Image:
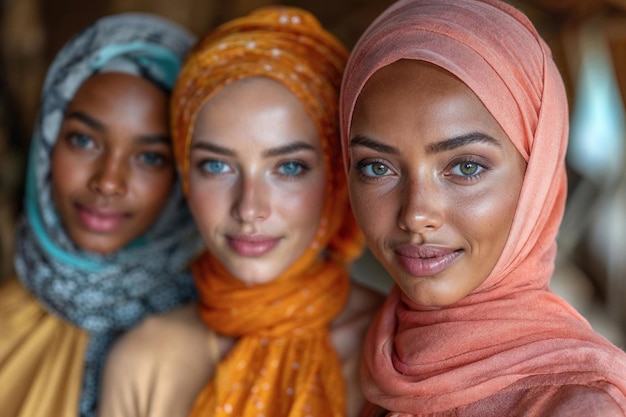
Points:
x=100 y=250
x=90 y=245
x=255 y=278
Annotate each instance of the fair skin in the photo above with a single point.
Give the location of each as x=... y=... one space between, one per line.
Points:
x=434 y=181
x=264 y=178
x=256 y=187
x=112 y=165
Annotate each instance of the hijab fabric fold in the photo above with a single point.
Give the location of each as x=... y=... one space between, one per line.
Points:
x=283 y=363
x=104 y=294
x=511 y=335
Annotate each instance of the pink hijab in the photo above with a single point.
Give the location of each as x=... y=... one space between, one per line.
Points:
x=512 y=342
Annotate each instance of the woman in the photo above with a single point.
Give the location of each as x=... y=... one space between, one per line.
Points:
x=106 y=236
x=278 y=327
x=454 y=127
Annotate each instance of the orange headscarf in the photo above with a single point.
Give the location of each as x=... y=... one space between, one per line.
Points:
x=283 y=363
x=511 y=337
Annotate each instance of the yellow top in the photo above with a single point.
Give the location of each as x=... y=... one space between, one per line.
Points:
x=41 y=358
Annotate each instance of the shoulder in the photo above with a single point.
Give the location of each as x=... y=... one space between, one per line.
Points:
x=13 y=295
x=159 y=367
x=349 y=328
x=570 y=400
x=347 y=333
x=362 y=305
x=159 y=336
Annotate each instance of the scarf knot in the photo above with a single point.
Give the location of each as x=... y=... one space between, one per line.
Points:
x=283 y=348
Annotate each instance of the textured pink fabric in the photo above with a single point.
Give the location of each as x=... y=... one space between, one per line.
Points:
x=512 y=335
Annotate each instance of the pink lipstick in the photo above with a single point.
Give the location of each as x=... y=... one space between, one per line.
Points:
x=252 y=245
x=99 y=220
x=426 y=260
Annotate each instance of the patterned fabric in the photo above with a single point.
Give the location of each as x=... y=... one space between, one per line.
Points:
x=507 y=347
x=104 y=294
x=283 y=363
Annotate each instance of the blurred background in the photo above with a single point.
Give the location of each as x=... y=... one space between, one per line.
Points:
x=587 y=37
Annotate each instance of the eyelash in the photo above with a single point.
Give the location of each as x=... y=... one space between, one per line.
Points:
x=203 y=167
x=363 y=165
x=161 y=159
x=302 y=168
x=480 y=166
x=73 y=139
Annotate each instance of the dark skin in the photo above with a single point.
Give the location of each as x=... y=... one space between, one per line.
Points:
x=434 y=181
x=112 y=165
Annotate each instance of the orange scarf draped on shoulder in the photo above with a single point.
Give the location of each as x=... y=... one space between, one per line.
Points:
x=283 y=363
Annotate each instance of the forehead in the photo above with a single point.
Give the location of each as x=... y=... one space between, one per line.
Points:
x=420 y=98
x=117 y=80
x=121 y=104
x=403 y=80
x=261 y=88
x=112 y=91
x=254 y=109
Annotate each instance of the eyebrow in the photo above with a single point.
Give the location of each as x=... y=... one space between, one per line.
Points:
x=288 y=149
x=209 y=147
x=92 y=122
x=269 y=153
x=366 y=142
x=154 y=139
x=459 y=141
x=86 y=119
x=438 y=147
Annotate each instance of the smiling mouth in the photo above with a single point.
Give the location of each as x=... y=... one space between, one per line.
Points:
x=426 y=261
x=252 y=246
x=100 y=221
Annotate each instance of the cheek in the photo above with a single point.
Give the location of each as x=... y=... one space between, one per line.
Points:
x=304 y=206
x=153 y=190
x=486 y=219
x=65 y=175
x=208 y=208
x=373 y=213
x=360 y=210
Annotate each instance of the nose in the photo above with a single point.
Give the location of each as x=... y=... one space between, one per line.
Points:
x=421 y=209
x=109 y=176
x=252 y=202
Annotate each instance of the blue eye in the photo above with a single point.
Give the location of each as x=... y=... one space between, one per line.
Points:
x=80 y=140
x=214 y=167
x=151 y=158
x=373 y=169
x=291 y=168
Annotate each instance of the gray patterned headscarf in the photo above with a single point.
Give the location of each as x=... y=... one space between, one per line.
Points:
x=104 y=294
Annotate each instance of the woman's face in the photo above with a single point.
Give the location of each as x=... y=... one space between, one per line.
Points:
x=257 y=178
x=112 y=164
x=434 y=181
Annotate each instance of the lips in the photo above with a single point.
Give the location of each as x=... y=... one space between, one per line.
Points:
x=100 y=220
x=252 y=245
x=426 y=260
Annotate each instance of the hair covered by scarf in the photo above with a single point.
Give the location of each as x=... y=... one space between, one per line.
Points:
x=511 y=334
x=104 y=294
x=283 y=362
